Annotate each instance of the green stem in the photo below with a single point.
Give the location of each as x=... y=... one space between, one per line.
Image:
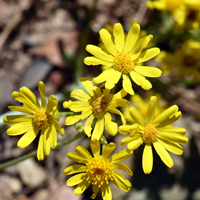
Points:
x=34 y=153
x=69 y=113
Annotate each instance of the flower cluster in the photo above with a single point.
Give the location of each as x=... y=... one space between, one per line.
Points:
x=99 y=105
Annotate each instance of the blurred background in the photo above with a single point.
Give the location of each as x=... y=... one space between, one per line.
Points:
x=46 y=39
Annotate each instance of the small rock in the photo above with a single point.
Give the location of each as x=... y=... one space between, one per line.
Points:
x=174 y=193
x=41 y=195
x=31 y=174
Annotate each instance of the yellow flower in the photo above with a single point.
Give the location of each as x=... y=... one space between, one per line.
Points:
x=142 y=105
x=98 y=170
x=167 y=5
x=38 y=119
x=122 y=58
x=99 y=102
x=188 y=16
x=109 y=28
x=157 y=132
x=184 y=62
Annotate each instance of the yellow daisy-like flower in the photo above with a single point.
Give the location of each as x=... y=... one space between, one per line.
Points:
x=98 y=170
x=40 y=119
x=142 y=105
x=124 y=54
x=167 y=5
x=188 y=16
x=184 y=62
x=157 y=132
x=97 y=102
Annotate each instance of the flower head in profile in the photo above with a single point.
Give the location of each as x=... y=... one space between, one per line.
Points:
x=184 y=62
x=98 y=169
x=98 y=103
x=123 y=57
x=156 y=132
x=142 y=105
x=38 y=119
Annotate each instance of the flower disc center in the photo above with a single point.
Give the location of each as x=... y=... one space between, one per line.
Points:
x=100 y=104
x=189 y=60
x=150 y=134
x=41 y=119
x=98 y=171
x=123 y=63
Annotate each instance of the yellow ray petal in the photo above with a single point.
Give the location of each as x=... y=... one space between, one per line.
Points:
x=119 y=103
x=125 y=129
x=179 y=130
x=111 y=126
x=91 y=60
x=118 y=33
x=83 y=152
x=28 y=94
x=174 y=137
x=121 y=155
x=20 y=128
x=97 y=52
x=40 y=151
x=88 y=123
x=58 y=128
x=148 y=54
x=127 y=85
x=95 y=189
x=122 y=93
x=164 y=155
x=165 y=115
x=135 y=144
x=140 y=80
x=114 y=110
x=80 y=94
x=151 y=109
x=108 y=149
x=99 y=127
x=132 y=37
x=138 y=47
x=77 y=158
x=171 y=146
x=88 y=85
x=123 y=167
x=107 y=40
x=52 y=102
x=106 y=192
x=42 y=90
x=120 y=181
x=76 y=179
x=47 y=141
x=27 y=103
x=15 y=119
x=136 y=116
x=112 y=79
x=22 y=109
x=81 y=187
x=127 y=140
x=169 y=120
x=147 y=159
x=27 y=138
x=74 y=169
x=95 y=147
x=148 y=71
x=77 y=106
x=104 y=76
x=53 y=137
